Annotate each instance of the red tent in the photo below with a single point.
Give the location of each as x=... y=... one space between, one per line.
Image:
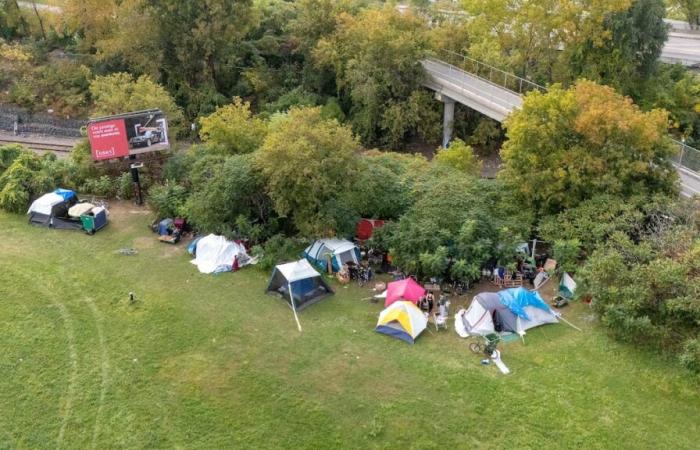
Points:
x=365 y=228
x=406 y=289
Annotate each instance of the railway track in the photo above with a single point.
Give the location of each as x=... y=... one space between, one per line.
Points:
x=42 y=145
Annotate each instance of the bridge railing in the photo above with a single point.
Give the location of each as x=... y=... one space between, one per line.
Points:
x=490 y=73
x=687 y=157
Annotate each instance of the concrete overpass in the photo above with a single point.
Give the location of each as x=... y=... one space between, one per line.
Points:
x=496 y=94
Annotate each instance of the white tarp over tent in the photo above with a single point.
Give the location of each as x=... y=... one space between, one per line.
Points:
x=45 y=204
x=297 y=270
x=217 y=254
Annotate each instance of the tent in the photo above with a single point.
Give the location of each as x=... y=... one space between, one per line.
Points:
x=515 y=310
x=301 y=279
x=402 y=320
x=365 y=228
x=406 y=289
x=51 y=210
x=567 y=286
x=339 y=251
x=217 y=254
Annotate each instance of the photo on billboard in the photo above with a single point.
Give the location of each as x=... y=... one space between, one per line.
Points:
x=128 y=134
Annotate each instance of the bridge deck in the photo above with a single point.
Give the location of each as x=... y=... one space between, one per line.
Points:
x=497 y=102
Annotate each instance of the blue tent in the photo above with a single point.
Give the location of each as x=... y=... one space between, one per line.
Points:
x=517 y=299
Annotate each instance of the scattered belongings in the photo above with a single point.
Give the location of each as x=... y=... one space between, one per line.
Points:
x=127 y=251
x=170 y=230
x=541 y=278
x=337 y=252
x=60 y=209
x=504 y=278
x=216 y=254
x=299 y=284
x=402 y=320
x=403 y=290
x=515 y=310
x=550 y=265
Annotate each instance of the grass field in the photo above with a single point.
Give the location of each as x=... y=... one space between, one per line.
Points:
x=211 y=362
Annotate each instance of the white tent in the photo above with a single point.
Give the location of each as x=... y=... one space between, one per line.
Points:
x=217 y=254
x=44 y=204
x=341 y=251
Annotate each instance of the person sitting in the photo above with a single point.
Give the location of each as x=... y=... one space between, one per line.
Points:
x=425 y=305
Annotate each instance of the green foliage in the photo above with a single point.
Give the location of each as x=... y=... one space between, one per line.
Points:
x=276 y=250
x=454 y=212
x=690 y=9
x=567 y=253
x=222 y=192
x=593 y=221
x=308 y=164
x=646 y=291
x=461 y=157
x=383 y=186
x=25 y=178
x=120 y=92
x=567 y=146
x=167 y=199
x=630 y=54
x=8 y=154
x=104 y=186
x=376 y=59
x=232 y=129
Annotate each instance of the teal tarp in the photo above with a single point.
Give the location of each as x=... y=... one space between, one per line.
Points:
x=516 y=299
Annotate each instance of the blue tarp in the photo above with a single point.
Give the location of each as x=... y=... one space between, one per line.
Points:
x=65 y=193
x=516 y=299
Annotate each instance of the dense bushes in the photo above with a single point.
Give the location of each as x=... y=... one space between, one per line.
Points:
x=647 y=290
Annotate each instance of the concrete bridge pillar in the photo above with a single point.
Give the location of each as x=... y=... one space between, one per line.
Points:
x=448 y=118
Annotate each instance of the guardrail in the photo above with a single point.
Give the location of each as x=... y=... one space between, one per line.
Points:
x=494 y=75
x=687 y=157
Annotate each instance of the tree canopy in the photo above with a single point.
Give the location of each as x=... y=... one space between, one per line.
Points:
x=566 y=146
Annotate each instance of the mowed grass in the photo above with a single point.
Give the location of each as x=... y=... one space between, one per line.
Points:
x=212 y=362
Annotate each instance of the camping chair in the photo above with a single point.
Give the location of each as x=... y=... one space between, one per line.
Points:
x=440 y=318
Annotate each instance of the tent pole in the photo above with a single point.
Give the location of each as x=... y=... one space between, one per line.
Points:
x=570 y=324
x=294 y=309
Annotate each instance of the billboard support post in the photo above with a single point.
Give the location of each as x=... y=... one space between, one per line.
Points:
x=138 y=196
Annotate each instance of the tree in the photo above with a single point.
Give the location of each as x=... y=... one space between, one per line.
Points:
x=454 y=226
x=376 y=59
x=691 y=10
x=232 y=129
x=232 y=189
x=119 y=93
x=630 y=51
x=528 y=36
x=646 y=289
x=12 y=22
x=567 y=146
x=384 y=183
x=308 y=164
x=459 y=156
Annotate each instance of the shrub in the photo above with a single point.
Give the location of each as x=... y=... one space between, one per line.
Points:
x=167 y=199
x=567 y=253
x=276 y=250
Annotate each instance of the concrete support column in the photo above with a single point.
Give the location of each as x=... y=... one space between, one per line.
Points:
x=448 y=119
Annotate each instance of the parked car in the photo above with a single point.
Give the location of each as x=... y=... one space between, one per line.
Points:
x=146 y=139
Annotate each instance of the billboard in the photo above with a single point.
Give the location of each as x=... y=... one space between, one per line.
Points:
x=128 y=134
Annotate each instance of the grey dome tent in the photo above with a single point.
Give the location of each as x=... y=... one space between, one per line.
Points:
x=299 y=284
x=301 y=279
x=515 y=310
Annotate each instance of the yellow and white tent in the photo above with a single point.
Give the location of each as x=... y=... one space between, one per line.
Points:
x=402 y=320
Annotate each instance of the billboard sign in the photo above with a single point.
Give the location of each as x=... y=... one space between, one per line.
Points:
x=128 y=134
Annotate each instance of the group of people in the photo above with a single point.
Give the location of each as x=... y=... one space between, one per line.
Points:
x=427 y=303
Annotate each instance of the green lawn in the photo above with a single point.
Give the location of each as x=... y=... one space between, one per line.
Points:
x=211 y=362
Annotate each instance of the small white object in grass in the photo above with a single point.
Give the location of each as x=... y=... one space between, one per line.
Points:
x=354 y=331
x=136 y=360
x=357 y=357
x=213 y=339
